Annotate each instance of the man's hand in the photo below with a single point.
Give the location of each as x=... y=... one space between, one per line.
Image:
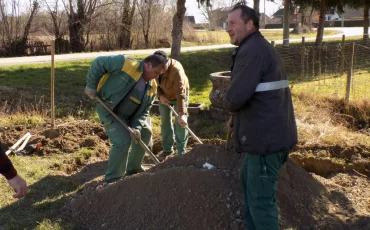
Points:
x=164 y=100
x=135 y=135
x=19 y=186
x=183 y=120
x=90 y=92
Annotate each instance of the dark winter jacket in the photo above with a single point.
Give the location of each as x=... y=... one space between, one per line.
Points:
x=264 y=121
x=6 y=166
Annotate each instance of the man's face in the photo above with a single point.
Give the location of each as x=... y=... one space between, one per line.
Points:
x=237 y=28
x=152 y=73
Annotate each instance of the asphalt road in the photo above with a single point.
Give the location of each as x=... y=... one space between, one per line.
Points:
x=348 y=31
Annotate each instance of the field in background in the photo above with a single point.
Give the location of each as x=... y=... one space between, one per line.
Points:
x=221 y=37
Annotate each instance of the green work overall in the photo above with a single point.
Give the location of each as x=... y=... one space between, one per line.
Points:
x=120 y=137
x=169 y=134
x=259 y=175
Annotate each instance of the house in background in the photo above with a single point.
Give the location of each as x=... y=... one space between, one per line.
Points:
x=353 y=14
x=294 y=17
x=264 y=19
x=332 y=15
x=219 y=17
x=189 y=19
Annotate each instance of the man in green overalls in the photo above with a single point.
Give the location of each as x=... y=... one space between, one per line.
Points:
x=127 y=87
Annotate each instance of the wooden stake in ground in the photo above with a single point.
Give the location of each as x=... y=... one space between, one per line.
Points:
x=52 y=84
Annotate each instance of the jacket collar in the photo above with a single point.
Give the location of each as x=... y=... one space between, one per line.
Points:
x=255 y=33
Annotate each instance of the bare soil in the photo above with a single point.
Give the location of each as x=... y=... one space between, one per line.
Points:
x=180 y=194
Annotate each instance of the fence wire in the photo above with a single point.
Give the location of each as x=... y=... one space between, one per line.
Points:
x=324 y=70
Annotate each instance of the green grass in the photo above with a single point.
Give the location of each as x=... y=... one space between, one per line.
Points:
x=335 y=87
x=192 y=38
x=47 y=195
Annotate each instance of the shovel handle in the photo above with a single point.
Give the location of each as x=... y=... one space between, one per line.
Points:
x=186 y=126
x=228 y=137
x=154 y=158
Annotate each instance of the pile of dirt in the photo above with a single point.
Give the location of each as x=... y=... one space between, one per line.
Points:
x=181 y=194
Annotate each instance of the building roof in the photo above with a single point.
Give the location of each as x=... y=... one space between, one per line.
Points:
x=350 y=13
x=190 y=19
x=279 y=13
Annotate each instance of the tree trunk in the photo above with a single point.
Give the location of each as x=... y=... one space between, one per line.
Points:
x=320 y=29
x=75 y=33
x=366 y=22
x=286 y=23
x=256 y=5
x=124 y=36
x=303 y=17
x=177 y=20
x=310 y=20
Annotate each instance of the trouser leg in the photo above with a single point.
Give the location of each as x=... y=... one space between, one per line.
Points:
x=261 y=179
x=166 y=128
x=121 y=140
x=137 y=152
x=181 y=135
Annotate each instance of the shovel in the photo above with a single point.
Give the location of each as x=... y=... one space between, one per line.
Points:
x=186 y=126
x=228 y=137
x=154 y=158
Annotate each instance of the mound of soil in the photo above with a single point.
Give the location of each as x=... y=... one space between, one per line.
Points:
x=181 y=194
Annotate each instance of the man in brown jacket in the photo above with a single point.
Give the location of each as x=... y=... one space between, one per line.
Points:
x=173 y=90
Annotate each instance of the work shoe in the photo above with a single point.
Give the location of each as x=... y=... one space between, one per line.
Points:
x=164 y=155
x=135 y=171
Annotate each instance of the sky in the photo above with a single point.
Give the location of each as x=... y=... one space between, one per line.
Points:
x=192 y=8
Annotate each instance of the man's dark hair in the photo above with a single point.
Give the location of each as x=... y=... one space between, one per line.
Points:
x=156 y=60
x=161 y=53
x=247 y=14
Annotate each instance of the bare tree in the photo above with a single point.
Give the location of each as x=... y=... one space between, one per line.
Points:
x=80 y=13
x=59 y=20
x=124 y=37
x=14 y=32
x=145 y=12
x=177 y=20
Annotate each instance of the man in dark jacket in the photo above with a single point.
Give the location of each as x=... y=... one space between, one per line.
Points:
x=264 y=123
x=14 y=180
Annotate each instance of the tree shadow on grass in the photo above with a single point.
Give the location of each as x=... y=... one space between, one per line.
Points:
x=46 y=199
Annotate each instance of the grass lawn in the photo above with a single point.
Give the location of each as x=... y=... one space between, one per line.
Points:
x=221 y=37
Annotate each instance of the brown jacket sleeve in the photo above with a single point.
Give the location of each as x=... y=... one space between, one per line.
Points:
x=181 y=87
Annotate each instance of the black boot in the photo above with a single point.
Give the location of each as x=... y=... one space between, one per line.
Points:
x=135 y=171
x=164 y=155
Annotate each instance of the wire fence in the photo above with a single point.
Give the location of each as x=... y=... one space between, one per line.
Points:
x=338 y=69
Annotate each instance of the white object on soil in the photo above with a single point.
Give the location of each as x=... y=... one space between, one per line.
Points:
x=208 y=166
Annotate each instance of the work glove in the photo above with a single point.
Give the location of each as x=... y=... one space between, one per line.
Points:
x=135 y=135
x=183 y=120
x=164 y=100
x=90 y=92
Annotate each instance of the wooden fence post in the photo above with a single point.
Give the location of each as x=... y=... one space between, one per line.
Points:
x=52 y=75
x=303 y=52
x=342 y=55
x=349 y=73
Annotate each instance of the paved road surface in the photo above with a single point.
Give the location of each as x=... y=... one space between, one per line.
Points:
x=349 y=31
